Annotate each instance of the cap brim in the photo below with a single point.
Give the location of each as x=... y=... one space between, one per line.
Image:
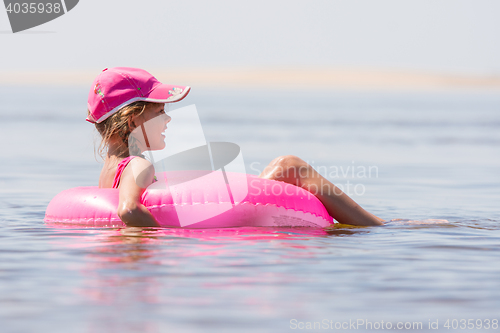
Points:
x=166 y=93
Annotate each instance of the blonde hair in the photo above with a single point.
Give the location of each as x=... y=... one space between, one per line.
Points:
x=118 y=124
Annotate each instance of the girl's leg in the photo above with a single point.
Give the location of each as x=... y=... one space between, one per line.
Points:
x=340 y=206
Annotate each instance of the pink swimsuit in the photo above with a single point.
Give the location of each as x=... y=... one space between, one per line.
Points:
x=119 y=170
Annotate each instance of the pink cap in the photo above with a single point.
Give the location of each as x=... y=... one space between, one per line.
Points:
x=117 y=87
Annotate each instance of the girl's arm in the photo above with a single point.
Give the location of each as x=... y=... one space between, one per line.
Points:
x=136 y=177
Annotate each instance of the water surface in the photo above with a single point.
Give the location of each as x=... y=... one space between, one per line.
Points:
x=436 y=157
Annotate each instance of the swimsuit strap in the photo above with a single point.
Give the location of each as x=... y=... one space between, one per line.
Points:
x=119 y=170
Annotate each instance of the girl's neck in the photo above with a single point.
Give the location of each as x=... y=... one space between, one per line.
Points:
x=117 y=149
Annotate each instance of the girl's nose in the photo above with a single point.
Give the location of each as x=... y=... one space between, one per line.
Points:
x=165 y=118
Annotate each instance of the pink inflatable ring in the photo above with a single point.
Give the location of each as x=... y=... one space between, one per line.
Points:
x=214 y=200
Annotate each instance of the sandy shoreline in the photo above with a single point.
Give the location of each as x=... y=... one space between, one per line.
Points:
x=308 y=79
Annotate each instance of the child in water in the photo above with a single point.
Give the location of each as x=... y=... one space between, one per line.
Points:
x=122 y=101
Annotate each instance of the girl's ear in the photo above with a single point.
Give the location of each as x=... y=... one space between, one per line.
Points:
x=131 y=122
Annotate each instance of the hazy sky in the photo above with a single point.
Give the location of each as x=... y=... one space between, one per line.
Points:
x=450 y=36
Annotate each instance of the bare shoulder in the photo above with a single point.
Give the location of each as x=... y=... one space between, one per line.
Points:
x=140 y=171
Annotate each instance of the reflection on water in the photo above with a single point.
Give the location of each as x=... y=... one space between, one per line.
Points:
x=153 y=280
x=173 y=278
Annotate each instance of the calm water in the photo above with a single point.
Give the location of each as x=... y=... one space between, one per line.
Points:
x=435 y=164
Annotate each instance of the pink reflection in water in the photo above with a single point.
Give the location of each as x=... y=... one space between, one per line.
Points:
x=131 y=268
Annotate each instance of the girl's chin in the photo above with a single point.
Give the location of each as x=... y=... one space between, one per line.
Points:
x=159 y=146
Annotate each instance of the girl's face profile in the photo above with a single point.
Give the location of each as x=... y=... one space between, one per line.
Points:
x=153 y=111
x=149 y=127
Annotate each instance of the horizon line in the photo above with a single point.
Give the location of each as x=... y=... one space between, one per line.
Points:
x=276 y=77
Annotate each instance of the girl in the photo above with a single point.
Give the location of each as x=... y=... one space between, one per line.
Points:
x=121 y=103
